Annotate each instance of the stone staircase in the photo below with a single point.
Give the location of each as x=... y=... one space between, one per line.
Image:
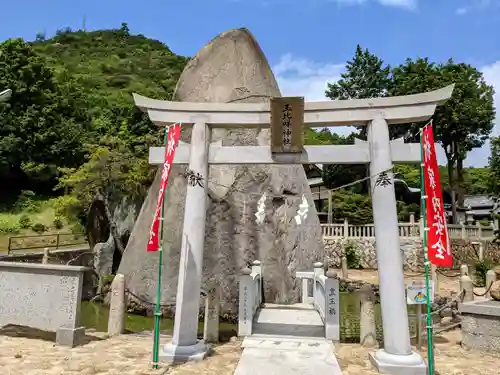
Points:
x=286 y=339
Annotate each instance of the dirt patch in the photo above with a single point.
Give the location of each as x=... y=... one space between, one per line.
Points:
x=450 y=358
x=126 y=354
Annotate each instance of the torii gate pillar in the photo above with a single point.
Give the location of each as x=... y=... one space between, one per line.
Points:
x=397 y=357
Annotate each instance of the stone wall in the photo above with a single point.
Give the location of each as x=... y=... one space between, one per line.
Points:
x=43 y=296
x=74 y=257
x=464 y=252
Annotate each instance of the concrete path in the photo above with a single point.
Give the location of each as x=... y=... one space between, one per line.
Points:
x=278 y=355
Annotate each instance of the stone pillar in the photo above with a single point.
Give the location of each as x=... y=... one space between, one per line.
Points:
x=435 y=278
x=367 y=326
x=330 y=208
x=305 y=291
x=467 y=287
x=332 y=306
x=346 y=228
x=318 y=270
x=344 y=267
x=212 y=312
x=490 y=279
x=464 y=270
x=245 y=311
x=184 y=345
x=46 y=256
x=396 y=357
x=117 y=306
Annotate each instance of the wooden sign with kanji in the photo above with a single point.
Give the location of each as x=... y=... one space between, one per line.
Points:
x=287 y=122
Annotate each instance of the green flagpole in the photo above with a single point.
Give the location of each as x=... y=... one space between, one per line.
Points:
x=430 y=353
x=156 y=345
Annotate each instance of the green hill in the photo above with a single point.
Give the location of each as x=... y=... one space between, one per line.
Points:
x=109 y=65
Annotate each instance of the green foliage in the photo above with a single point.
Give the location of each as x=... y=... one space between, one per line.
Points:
x=58 y=223
x=356 y=208
x=38 y=228
x=9 y=226
x=493 y=182
x=71 y=92
x=114 y=168
x=25 y=222
x=365 y=77
x=26 y=202
x=42 y=125
x=77 y=228
x=480 y=270
x=464 y=122
x=353 y=260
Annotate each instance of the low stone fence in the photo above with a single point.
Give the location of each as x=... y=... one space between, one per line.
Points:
x=361 y=252
x=43 y=296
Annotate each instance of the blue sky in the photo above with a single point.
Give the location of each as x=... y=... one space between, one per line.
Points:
x=306 y=41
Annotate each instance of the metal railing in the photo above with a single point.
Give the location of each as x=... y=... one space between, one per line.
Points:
x=54 y=241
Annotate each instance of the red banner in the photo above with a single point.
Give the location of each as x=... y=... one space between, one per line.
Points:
x=174 y=133
x=438 y=243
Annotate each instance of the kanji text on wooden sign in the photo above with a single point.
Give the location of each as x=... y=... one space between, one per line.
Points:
x=287 y=122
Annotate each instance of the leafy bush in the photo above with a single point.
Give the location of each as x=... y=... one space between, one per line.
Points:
x=353 y=260
x=58 y=222
x=77 y=228
x=25 y=222
x=9 y=226
x=26 y=202
x=66 y=206
x=480 y=269
x=38 y=228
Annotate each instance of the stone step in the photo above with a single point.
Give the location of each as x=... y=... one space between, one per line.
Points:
x=295 y=306
x=288 y=322
x=272 y=342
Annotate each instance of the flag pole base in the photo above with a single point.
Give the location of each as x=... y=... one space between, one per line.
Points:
x=172 y=353
x=386 y=363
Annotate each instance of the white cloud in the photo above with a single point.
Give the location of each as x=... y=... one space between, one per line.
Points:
x=303 y=77
x=408 y=4
x=405 y=4
x=476 y=5
x=479 y=157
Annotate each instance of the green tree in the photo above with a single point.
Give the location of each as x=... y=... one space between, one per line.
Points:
x=365 y=77
x=464 y=122
x=493 y=181
x=42 y=126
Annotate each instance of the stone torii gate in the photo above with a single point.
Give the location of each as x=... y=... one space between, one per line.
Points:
x=286 y=117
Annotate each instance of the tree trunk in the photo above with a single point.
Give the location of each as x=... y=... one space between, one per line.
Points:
x=451 y=186
x=460 y=182
x=112 y=225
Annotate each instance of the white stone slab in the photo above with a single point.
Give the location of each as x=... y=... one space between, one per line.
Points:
x=288 y=322
x=316 y=345
x=255 y=361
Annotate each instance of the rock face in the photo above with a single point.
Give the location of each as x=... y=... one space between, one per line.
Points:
x=495 y=290
x=231 y=68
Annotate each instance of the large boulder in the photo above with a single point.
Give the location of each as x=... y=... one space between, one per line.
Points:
x=231 y=68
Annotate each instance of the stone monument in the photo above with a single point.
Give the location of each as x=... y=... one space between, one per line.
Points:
x=230 y=69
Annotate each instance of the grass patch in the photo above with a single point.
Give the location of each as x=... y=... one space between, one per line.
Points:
x=34 y=219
